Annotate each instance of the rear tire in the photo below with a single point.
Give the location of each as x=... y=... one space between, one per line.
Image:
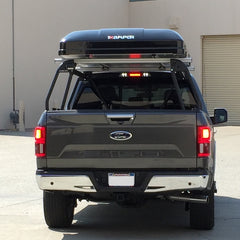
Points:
x=58 y=209
x=202 y=215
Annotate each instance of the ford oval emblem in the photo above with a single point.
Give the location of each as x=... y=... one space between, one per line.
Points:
x=120 y=135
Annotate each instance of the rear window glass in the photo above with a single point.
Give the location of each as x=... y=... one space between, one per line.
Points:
x=112 y=91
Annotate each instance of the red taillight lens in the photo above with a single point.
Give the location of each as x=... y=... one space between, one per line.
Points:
x=40 y=141
x=204 y=141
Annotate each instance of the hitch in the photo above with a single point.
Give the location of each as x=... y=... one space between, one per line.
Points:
x=129 y=200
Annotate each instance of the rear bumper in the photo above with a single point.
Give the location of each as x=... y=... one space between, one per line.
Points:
x=153 y=184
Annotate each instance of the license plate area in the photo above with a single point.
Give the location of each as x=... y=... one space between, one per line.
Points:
x=121 y=179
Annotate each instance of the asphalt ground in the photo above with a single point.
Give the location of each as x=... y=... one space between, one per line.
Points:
x=21 y=210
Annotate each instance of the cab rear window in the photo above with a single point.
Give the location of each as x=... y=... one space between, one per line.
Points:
x=117 y=91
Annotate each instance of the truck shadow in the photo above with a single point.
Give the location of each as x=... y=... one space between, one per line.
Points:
x=27 y=133
x=155 y=220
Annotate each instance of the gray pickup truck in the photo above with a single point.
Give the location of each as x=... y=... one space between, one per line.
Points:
x=132 y=126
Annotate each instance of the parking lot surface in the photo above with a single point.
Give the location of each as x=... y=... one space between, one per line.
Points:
x=21 y=213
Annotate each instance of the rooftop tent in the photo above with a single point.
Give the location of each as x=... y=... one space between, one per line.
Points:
x=124 y=42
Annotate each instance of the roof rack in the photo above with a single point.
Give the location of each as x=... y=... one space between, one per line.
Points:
x=125 y=64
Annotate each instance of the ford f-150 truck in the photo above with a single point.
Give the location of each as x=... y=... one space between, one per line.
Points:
x=132 y=126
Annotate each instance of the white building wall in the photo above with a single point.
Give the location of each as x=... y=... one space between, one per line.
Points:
x=192 y=18
x=6 y=63
x=39 y=26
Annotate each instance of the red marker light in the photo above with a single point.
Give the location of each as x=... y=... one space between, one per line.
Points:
x=134 y=55
x=135 y=74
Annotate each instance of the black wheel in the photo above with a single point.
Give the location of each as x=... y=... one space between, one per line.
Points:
x=202 y=215
x=58 y=209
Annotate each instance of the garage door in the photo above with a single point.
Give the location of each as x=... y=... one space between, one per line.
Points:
x=221 y=74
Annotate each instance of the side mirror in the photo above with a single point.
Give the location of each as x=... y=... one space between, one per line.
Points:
x=220 y=116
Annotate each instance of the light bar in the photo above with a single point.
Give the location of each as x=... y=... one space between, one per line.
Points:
x=135 y=74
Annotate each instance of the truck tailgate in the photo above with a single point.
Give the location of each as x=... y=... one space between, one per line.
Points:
x=156 y=140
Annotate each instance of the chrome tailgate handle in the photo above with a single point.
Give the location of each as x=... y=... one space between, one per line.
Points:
x=120 y=118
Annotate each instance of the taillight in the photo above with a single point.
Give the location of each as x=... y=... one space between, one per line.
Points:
x=40 y=141
x=204 y=141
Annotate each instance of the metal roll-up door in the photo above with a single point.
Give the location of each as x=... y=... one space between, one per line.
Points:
x=221 y=74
